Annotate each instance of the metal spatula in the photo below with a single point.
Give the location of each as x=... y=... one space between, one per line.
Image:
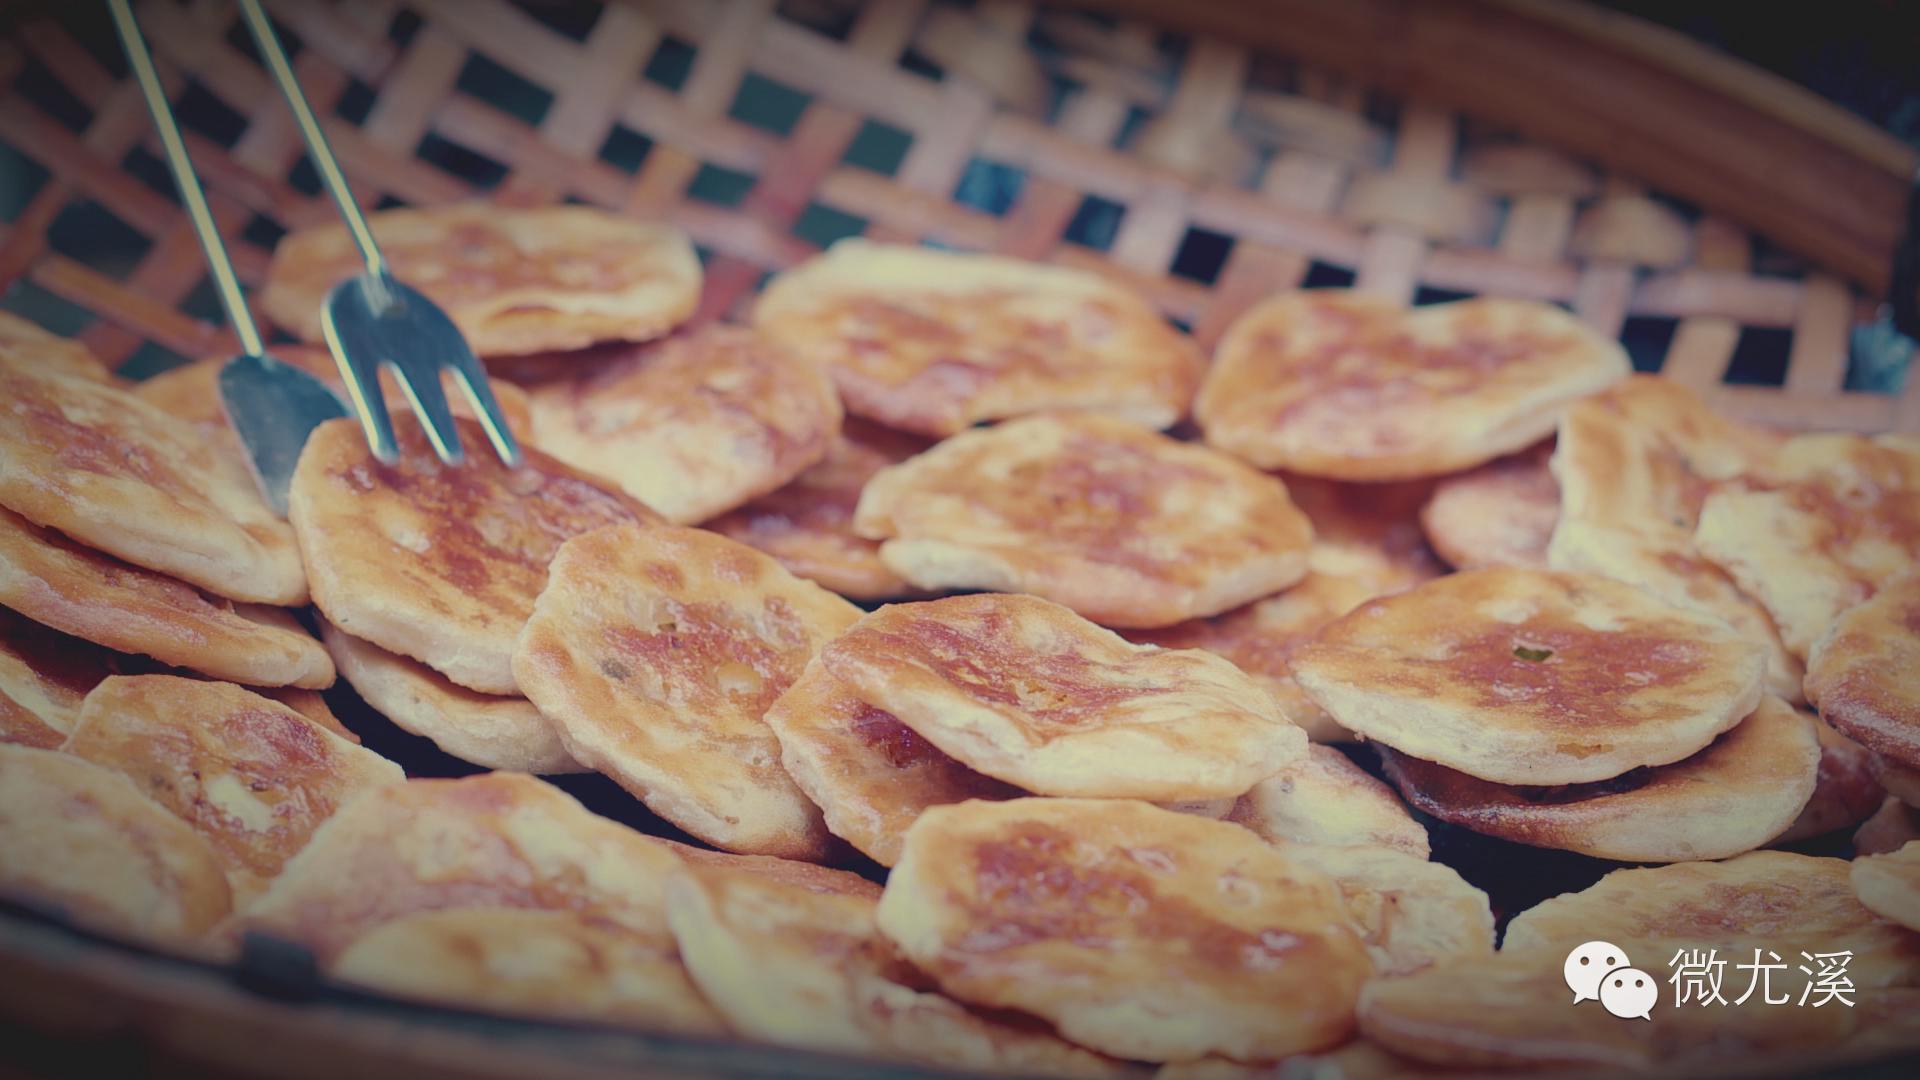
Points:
x=373 y=320
x=272 y=405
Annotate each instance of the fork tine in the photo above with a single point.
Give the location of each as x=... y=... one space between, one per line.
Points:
x=363 y=386
x=421 y=383
x=480 y=395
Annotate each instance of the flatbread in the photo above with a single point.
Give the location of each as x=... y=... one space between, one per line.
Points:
x=1124 y=526
x=656 y=652
x=1137 y=932
x=521 y=962
x=1411 y=913
x=1326 y=799
x=933 y=342
x=1843 y=522
x=1532 y=676
x=1646 y=452
x=438 y=563
x=84 y=839
x=1889 y=885
x=1889 y=829
x=809 y=970
x=808 y=524
x=1369 y=533
x=1337 y=384
x=1666 y=565
x=1845 y=792
x=76 y=590
x=1261 y=637
x=1864 y=673
x=1740 y=792
x=119 y=475
x=44 y=675
x=811 y=877
x=1499 y=514
x=505 y=733
x=1027 y=692
x=250 y=775
x=497 y=840
x=514 y=280
x=310 y=704
x=871 y=775
x=49 y=350
x=694 y=425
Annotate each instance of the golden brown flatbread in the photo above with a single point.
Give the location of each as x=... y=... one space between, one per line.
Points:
x=1124 y=526
x=811 y=877
x=44 y=675
x=1027 y=692
x=805 y=969
x=1864 y=673
x=1411 y=913
x=1367 y=533
x=933 y=342
x=808 y=524
x=505 y=733
x=497 y=840
x=694 y=425
x=1532 y=676
x=1138 y=932
x=1845 y=792
x=1499 y=514
x=48 y=350
x=84 y=839
x=1261 y=637
x=76 y=590
x=1333 y=383
x=1738 y=794
x=656 y=652
x=438 y=563
x=119 y=475
x=1325 y=798
x=1889 y=884
x=310 y=704
x=250 y=775
x=514 y=280
x=1842 y=520
x=552 y=964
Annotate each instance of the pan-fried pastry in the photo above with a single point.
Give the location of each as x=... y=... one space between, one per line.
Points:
x=310 y=704
x=1085 y=913
x=558 y=965
x=1333 y=383
x=1843 y=521
x=514 y=280
x=933 y=342
x=1369 y=533
x=1532 y=676
x=44 y=675
x=1889 y=885
x=1499 y=514
x=119 y=475
x=1124 y=526
x=1261 y=637
x=497 y=840
x=84 y=839
x=66 y=356
x=1889 y=829
x=808 y=524
x=692 y=426
x=1412 y=913
x=1027 y=692
x=505 y=733
x=1773 y=899
x=436 y=563
x=811 y=877
x=1864 y=676
x=1666 y=565
x=1901 y=780
x=1326 y=799
x=76 y=590
x=1646 y=452
x=809 y=970
x=250 y=775
x=1845 y=793
x=656 y=652
x=1736 y=795
x=870 y=774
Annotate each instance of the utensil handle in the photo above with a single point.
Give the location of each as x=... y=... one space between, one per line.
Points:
x=224 y=280
x=323 y=161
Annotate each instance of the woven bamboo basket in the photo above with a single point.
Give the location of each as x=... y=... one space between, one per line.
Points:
x=1734 y=231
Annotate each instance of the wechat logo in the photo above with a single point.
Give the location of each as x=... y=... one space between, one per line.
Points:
x=1600 y=971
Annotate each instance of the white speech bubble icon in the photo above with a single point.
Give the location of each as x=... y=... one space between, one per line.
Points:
x=1629 y=992
x=1588 y=964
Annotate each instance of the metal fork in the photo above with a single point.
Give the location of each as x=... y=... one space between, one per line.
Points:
x=373 y=320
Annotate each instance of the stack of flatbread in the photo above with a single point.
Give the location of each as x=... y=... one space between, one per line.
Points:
x=1070 y=804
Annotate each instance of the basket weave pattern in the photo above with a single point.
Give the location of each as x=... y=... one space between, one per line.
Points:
x=1204 y=173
